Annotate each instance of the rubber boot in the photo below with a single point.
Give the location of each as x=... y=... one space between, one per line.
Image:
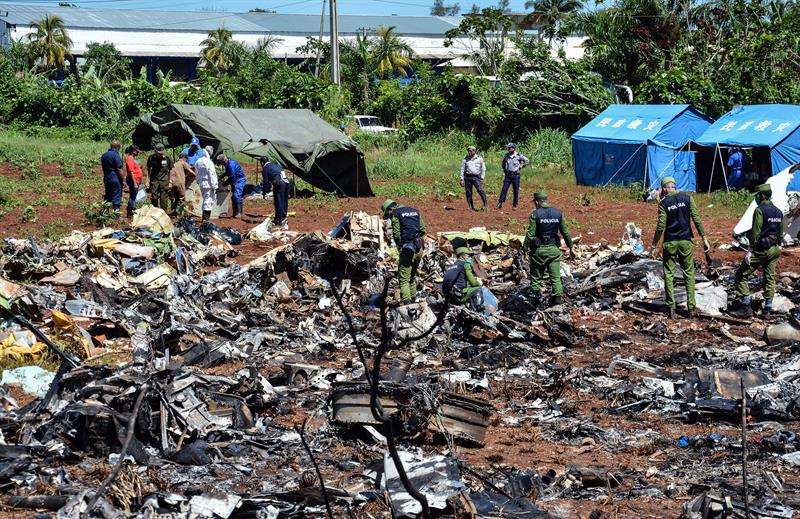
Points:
x=555 y=300
x=743 y=308
x=671 y=313
x=206 y=216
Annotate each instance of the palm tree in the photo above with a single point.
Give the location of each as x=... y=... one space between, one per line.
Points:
x=390 y=53
x=357 y=55
x=551 y=13
x=219 y=50
x=50 y=42
x=268 y=43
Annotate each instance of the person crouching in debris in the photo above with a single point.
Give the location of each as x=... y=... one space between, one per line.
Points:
x=237 y=180
x=543 y=242
x=158 y=168
x=408 y=228
x=273 y=175
x=676 y=211
x=765 y=239
x=207 y=180
x=178 y=176
x=473 y=171
x=460 y=282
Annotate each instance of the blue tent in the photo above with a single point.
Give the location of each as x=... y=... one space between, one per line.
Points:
x=776 y=127
x=638 y=143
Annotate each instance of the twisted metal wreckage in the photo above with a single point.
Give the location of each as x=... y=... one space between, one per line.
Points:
x=223 y=371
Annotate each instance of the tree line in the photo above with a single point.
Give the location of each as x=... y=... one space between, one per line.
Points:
x=712 y=54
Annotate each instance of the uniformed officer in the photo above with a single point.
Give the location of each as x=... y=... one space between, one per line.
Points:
x=158 y=168
x=460 y=281
x=676 y=211
x=408 y=228
x=765 y=238
x=513 y=163
x=473 y=171
x=237 y=180
x=543 y=242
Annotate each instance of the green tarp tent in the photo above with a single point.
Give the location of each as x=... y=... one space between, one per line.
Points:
x=298 y=139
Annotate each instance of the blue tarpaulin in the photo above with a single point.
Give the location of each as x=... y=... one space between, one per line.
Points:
x=771 y=126
x=638 y=143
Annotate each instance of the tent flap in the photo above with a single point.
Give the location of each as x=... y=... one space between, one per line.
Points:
x=298 y=139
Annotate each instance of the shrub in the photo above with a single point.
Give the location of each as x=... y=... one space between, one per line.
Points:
x=29 y=214
x=100 y=214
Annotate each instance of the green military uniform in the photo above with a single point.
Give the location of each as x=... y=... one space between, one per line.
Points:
x=158 y=169
x=675 y=212
x=460 y=282
x=408 y=228
x=542 y=240
x=767 y=223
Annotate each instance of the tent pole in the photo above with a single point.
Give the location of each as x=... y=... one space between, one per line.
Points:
x=722 y=164
x=713 y=165
x=623 y=165
x=646 y=170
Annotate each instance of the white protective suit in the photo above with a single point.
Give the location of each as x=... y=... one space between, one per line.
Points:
x=207 y=180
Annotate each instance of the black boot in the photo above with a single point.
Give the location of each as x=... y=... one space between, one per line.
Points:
x=671 y=313
x=206 y=215
x=555 y=300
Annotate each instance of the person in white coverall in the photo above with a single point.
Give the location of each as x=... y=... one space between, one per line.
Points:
x=207 y=180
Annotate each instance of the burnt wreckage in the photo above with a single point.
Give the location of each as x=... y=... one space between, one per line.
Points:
x=188 y=384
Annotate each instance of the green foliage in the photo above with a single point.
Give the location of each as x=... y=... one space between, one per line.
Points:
x=100 y=214
x=106 y=62
x=28 y=214
x=55 y=230
x=736 y=199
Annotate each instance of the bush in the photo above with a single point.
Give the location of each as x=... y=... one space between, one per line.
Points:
x=29 y=214
x=735 y=199
x=100 y=214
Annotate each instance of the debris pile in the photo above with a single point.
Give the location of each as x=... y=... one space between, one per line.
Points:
x=182 y=382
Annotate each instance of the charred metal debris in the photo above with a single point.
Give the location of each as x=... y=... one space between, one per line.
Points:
x=182 y=382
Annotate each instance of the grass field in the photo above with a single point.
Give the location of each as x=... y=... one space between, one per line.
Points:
x=48 y=184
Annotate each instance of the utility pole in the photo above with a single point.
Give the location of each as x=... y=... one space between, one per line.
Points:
x=335 y=73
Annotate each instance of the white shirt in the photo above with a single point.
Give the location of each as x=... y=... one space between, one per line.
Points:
x=473 y=166
x=206 y=173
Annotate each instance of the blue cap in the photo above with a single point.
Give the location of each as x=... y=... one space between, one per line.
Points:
x=195 y=142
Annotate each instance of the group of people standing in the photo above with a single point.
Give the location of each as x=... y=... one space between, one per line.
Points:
x=168 y=180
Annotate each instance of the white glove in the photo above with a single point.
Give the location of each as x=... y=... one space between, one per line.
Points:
x=747 y=257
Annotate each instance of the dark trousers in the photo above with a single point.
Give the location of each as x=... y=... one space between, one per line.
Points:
x=509 y=181
x=113 y=190
x=134 y=189
x=475 y=181
x=280 y=197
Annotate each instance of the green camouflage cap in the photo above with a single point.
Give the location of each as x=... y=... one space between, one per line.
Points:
x=667 y=180
x=764 y=188
x=387 y=205
x=540 y=195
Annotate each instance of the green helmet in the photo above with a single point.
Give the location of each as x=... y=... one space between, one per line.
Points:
x=667 y=180
x=463 y=250
x=387 y=205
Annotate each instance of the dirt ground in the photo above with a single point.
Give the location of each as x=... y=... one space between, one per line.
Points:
x=594 y=215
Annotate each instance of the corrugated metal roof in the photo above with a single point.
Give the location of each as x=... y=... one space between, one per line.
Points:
x=129 y=19
x=351 y=23
x=132 y=19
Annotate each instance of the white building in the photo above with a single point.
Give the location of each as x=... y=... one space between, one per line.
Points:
x=170 y=40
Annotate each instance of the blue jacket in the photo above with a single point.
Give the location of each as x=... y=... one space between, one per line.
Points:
x=192 y=158
x=235 y=172
x=736 y=160
x=111 y=161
